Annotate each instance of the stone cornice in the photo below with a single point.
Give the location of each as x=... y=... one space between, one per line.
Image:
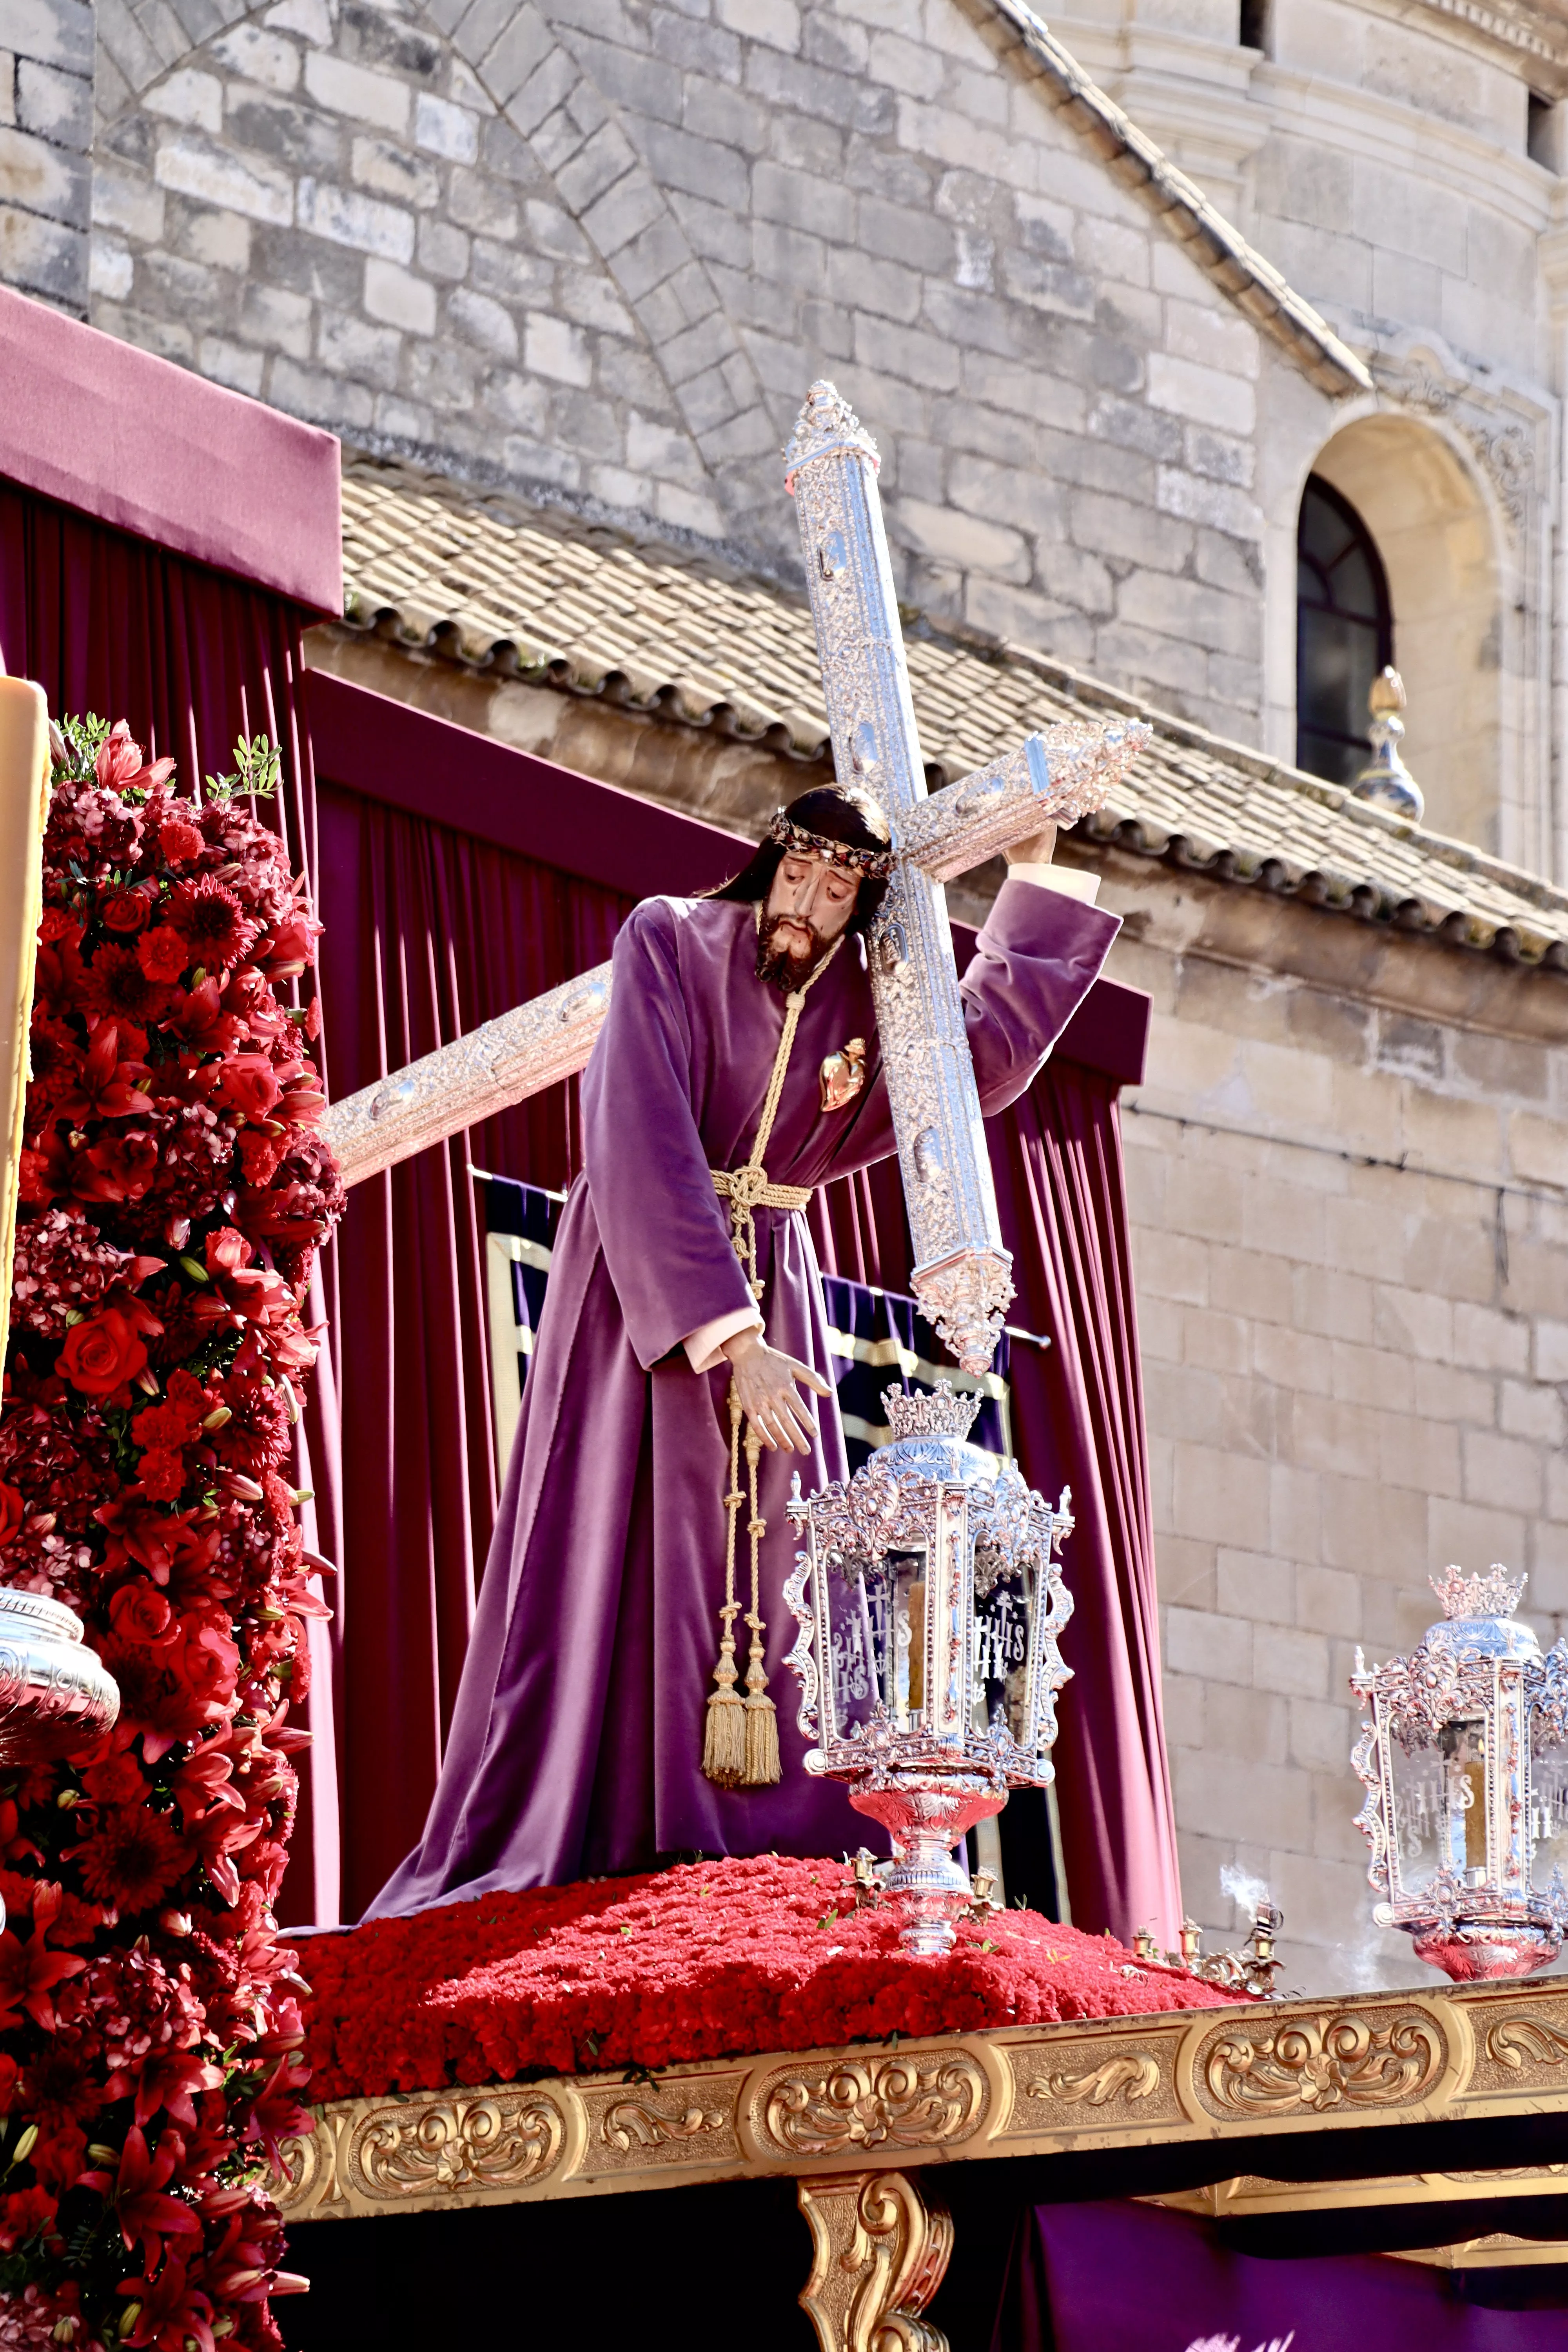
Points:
x=1533 y=32
x=1219 y=250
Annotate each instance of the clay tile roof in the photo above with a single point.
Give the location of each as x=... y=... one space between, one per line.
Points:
x=549 y=598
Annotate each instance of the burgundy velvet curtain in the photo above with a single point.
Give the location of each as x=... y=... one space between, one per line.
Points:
x=192 y=657
x=428 y=932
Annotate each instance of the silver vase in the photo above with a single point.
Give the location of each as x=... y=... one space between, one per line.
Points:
x=55 y=1694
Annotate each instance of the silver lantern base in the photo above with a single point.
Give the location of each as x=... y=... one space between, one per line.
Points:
x=1473 y=1954
x=925 y=1815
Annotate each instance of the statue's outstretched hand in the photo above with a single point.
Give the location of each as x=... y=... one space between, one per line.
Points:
x=765 y=1384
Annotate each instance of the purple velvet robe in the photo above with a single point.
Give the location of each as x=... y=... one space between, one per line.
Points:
x=576 y=1747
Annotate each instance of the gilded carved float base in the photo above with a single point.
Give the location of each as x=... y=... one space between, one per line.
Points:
x=1199 y=2075
x=852 y=2124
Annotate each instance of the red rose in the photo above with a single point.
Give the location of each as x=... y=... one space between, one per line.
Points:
x=249 y=1083
x=140 y=1612
x=11 y=1510
x=291 y=947
x=162 y=953
x=101 y=1354
x=127 y=911
x=178 y=838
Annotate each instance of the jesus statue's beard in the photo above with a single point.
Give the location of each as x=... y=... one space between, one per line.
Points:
x=782 y=967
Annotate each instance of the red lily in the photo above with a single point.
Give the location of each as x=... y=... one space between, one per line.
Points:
x=172 y=2313
x=146 y=2215
x=28 y=1974
x=108 y=1087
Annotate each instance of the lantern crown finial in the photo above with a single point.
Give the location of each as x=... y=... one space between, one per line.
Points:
x=1495 y=1594
x=940 y=1414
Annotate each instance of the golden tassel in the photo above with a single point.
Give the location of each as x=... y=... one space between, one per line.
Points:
x=762 y=1764
x=741 y=1743
x=725 y=1742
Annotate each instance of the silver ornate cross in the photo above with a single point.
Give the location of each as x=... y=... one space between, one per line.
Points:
x=963 y=1276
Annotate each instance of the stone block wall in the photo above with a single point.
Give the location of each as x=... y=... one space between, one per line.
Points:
x=46 y=136
x=601 y=248
x=1349 y=1187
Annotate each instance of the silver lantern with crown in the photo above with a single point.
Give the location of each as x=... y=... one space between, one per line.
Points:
x=929 y=1601
x=1465 y=1759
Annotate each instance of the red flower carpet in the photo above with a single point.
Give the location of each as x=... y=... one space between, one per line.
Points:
x=713 y=1959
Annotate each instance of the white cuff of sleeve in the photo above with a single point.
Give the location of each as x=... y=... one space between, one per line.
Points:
x=705 y=1348
x=1069 y=881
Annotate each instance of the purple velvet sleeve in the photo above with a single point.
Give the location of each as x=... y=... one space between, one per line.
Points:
x=665 y=1233
x=1037 y=956
x=1035 y=961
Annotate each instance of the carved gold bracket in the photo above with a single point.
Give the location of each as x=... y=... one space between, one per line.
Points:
x=881 y=2246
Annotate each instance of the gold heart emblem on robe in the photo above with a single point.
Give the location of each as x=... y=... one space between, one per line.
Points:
x=844 y=1075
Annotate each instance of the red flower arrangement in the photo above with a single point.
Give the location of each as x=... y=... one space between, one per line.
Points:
x=707 y=1961
x=173 y=1191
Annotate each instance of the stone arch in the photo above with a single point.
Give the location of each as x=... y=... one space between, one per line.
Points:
x=708 y=455
x=1434 y=522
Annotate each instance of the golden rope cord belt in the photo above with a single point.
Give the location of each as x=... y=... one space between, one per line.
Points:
x=740 y=1746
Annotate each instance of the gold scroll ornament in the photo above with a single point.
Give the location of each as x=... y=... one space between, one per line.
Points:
x=23 y=807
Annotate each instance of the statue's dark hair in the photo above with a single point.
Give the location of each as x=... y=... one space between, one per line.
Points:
x=840 y=814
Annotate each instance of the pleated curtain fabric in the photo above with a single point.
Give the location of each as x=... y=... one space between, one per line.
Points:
x=428 y=932
x=193 y=658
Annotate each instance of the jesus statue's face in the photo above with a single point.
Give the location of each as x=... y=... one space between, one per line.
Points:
x=807 y=908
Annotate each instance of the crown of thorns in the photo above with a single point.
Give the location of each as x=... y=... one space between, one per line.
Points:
x=875 y=863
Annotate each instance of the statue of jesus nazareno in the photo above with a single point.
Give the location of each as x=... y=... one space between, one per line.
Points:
x=683 y=1308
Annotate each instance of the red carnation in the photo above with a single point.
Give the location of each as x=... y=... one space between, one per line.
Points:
x=162 y=953
x=255 y=1436
x=131 y=1858
x=177 y=1421
x=246 y=1082
x=260 y=1156
x=101 y=1354
x=26 y=2212
x=178 y=839
x=213 y=923
x=161 y=1474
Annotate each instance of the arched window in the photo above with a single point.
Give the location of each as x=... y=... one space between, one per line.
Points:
x=1345 y=632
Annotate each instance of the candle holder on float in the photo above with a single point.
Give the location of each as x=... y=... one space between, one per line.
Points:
x=55 y=1694
x=1464 y=1761
x=929 y=1601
